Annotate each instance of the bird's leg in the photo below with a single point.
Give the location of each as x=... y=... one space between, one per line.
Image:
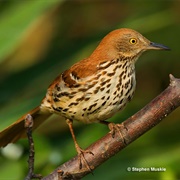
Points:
x=115 y=128
x=79 y=150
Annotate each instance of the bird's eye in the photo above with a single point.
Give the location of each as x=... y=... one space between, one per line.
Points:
x=133 y=41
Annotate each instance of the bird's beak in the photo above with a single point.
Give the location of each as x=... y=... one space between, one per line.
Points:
x=157 y=46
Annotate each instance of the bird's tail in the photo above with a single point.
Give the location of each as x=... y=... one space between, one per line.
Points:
x=17 y=130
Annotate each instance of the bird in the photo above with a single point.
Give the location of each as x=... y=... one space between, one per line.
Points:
x=93 y=89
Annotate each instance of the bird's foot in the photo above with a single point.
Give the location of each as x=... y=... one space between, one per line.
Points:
x=81 y=157
x=81 y=152
x=116 y=128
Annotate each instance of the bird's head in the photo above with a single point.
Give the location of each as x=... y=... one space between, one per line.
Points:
x=127 y=43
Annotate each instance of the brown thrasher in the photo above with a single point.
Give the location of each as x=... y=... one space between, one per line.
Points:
x=93 y=89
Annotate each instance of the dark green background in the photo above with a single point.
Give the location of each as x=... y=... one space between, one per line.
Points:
x=41 y=38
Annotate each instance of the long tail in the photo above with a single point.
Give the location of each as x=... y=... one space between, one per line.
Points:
x=17 y=130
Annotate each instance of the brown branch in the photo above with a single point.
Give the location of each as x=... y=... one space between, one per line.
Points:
x=28 y=124
x=131 y=129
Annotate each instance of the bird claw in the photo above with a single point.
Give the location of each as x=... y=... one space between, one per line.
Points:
x=81 y=158
x=79 y=150
x=114 y=128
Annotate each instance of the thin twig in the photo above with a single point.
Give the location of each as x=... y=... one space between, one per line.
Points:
x=131 y=129
x=28 y=125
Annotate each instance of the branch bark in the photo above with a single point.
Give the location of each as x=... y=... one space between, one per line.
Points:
x=131 y=129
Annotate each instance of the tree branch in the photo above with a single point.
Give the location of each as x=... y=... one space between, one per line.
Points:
x=28 y=124
x=131 y=129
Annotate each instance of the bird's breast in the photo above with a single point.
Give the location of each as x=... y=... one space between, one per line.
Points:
x=98 y=96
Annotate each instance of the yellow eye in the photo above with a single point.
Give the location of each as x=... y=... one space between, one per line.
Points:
x=133 y=40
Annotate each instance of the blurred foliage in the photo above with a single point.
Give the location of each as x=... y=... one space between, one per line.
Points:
x=41 y=38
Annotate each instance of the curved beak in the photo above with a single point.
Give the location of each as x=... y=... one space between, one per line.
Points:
x=157 y=46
